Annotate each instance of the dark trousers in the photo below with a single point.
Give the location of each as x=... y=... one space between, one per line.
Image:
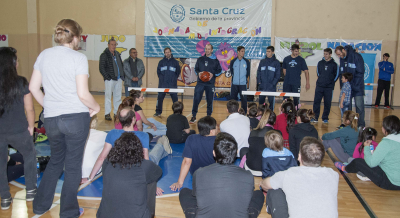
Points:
x=189 y=203
x=376 y=174
x=23 y=142
x=67 y=136
x=271 y=101
x=198 y=94
x=237 y=89
x=292 y=89
x=383 y=85
x=327 y=94
x=151 y=198
x=276 y=204
x=15 y=171
x=160 y=99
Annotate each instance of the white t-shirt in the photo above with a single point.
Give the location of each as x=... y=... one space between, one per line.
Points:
x=94 y=146
x=310 y=191
x=239 y=127
x=59 y=66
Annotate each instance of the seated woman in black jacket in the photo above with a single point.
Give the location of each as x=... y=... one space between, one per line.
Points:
x=256 y=143
x=302 y=129
x=129 y=181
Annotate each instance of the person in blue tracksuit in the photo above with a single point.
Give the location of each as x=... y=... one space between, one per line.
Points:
x=168 y=71
x=292 y=66
x=268 y=73
x=352 y=62
x=328 y=73
x=240 y=70
x=209 y=63
x=385 y=73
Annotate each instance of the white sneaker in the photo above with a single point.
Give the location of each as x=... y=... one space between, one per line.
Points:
x=363 y=178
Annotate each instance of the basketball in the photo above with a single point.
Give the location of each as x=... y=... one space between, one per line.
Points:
x=205 y=76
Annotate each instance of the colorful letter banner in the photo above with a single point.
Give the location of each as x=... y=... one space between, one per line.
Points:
x=3 y=40
x=312 y=50
x=187 y=26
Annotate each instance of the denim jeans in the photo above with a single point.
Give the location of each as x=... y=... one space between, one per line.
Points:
x=67 y=136
x=23 y=142
x=359 y=102
x=346 y=107
x=161 y=128
x=114 y=89
x=133 y=84
x=157 y=153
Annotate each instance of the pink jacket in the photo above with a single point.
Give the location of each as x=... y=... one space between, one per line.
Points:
x=356 y=153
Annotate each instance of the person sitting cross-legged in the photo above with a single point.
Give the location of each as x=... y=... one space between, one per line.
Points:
x=127 y=119
x=198 y=151
x=129 y=180
x=222 y=189
x=305 y=191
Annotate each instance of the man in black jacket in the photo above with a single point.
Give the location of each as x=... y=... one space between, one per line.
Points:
x=111 y=68
x=210 y=63
x=328 y=73
x=168 y=71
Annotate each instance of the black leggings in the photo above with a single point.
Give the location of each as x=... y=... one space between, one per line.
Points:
x=376 y=174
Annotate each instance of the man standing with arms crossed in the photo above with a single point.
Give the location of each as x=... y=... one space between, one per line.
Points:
x=328 y=73
x=209 y=63
x=134 y=71
x=292 y=67
x=352 y=62
x=240 y=69
x=168 y=71
x=268 y=73
x=112 y=70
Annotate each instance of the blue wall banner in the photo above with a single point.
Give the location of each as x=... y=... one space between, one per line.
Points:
x=369 y=75
x=187 y=26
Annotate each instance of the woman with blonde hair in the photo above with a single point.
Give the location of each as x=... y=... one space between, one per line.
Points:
x=68 y=106
x=343 y=141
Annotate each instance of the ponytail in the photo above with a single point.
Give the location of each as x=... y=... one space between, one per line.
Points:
x=289 y=111
x=352 y=117
x=368 y=133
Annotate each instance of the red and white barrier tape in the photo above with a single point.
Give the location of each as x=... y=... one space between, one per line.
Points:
x=156 y=90
x=286 y=94
x=375 y=84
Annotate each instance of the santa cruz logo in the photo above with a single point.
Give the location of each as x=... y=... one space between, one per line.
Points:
x=366 y=73
x=177 y=13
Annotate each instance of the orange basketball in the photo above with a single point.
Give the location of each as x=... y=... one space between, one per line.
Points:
x=205 y=76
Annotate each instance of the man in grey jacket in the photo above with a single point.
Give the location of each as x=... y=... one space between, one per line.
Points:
x=111 y=69
x=134 y=71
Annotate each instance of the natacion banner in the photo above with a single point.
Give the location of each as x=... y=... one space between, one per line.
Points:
x=187 y=26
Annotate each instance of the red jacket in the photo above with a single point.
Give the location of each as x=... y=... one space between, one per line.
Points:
x=281 y=124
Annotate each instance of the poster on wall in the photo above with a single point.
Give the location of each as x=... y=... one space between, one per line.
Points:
x=188 y=26
x=369 y=75
x=312 y=50
x=93 y=45
x=3 y=40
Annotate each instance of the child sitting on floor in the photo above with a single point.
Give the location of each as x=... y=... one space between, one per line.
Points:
x=285 y=121
x=366 y=137
x=252 y=116
x=343 y=141
x=178 y=128
x=275 y=157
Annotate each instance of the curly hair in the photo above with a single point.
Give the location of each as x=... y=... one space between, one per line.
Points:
x=127 y=151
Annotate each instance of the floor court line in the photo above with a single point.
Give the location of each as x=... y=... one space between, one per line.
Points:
x=355 y=190
x=198 y=108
